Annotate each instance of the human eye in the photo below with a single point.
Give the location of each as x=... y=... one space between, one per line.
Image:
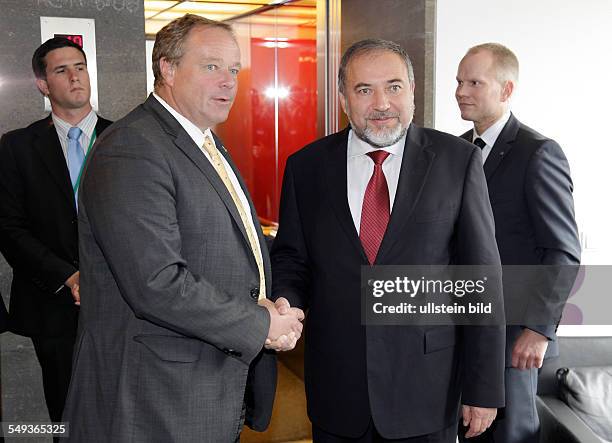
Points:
x=475 y=83
x=211 y=67
x=234 y=71
x=364 y=91
x=395 y=88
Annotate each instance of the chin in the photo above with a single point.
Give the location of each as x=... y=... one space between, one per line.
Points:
x=79 y=105
x=466 y=116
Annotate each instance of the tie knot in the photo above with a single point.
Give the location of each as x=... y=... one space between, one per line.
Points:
x=378 y=156
x=480 y=143
x=74 y=133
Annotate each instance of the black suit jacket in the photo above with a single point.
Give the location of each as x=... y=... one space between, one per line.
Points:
x=530 y=189
x=38 y=229
x=408 y=379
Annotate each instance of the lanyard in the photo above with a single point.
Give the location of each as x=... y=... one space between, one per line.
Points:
x=78 y=180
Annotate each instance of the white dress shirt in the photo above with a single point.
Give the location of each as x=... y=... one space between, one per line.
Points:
x=490 y=135
x=360 y=168
x=198 y=137
x=87 y=125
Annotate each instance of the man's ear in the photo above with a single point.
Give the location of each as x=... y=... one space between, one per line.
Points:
x=507 y=90
x=343 y=102
x=43 y=87
x=167 y=70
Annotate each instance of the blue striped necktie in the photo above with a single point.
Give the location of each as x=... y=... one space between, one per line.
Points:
x=75 y=157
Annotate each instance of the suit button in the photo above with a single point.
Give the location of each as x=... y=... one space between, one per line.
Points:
x=75 y=263
x=232 y=352
x=73 y=221
x=255 y=293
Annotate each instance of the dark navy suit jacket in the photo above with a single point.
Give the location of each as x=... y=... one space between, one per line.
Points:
x=408 y=379
x=530 y=189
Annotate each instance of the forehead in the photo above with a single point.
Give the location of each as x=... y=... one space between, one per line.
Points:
x=480 y=63
x=376 y=66
x=63 y=56
x=212 y=42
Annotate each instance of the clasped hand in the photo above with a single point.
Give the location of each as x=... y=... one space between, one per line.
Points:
x=73 y=284
x=285 y=324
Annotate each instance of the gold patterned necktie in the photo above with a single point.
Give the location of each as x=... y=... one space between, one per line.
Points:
x=217 y=163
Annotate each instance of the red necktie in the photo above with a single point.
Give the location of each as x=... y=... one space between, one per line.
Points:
x=375 y=208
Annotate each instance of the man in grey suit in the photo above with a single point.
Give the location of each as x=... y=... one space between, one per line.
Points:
x=174 y=270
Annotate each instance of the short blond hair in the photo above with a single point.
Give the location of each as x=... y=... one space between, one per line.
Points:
x=505 y=61
x=170 y=40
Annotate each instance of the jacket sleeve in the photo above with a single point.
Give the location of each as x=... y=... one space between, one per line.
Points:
x=548 y=190
x=289 y=256
x=483 y=346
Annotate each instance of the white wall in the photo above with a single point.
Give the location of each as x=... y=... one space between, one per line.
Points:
x=149 y=53
x=565 y=53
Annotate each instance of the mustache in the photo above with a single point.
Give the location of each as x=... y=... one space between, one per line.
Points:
x=382 y=115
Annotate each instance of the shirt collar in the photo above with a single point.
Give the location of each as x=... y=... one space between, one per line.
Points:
x=492 y=132
x=357 y=146
x=194 y=132
x=87 y=124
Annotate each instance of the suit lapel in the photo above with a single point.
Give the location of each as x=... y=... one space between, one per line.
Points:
x=336 y=186
x=101 y=125
x=186 y=144
x=467 y=135
x=49 y=148
x=502 y=146
x=416 y=163
x=189 y=148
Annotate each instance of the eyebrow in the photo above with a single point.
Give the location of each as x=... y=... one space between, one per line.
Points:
x=66 y=65
x=363 y=84
x=219 y=60
x=470 y=79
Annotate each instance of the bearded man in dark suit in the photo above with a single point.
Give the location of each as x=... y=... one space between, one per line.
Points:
x=386 y=192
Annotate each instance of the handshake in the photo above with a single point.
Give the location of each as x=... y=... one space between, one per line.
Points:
x=285 y=324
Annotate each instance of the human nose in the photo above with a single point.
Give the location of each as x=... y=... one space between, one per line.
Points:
x=460 y=91
x=73 y=75
x=381 y=101
x=229 y=80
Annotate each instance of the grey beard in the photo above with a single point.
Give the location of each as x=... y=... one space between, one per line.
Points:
x=384 y=138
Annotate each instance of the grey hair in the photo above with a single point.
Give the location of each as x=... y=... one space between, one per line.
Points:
x=369 y=46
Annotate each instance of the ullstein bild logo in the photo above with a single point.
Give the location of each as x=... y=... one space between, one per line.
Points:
x=465 y=295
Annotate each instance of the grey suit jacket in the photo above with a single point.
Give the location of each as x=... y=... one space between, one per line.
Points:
x=170 y=334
